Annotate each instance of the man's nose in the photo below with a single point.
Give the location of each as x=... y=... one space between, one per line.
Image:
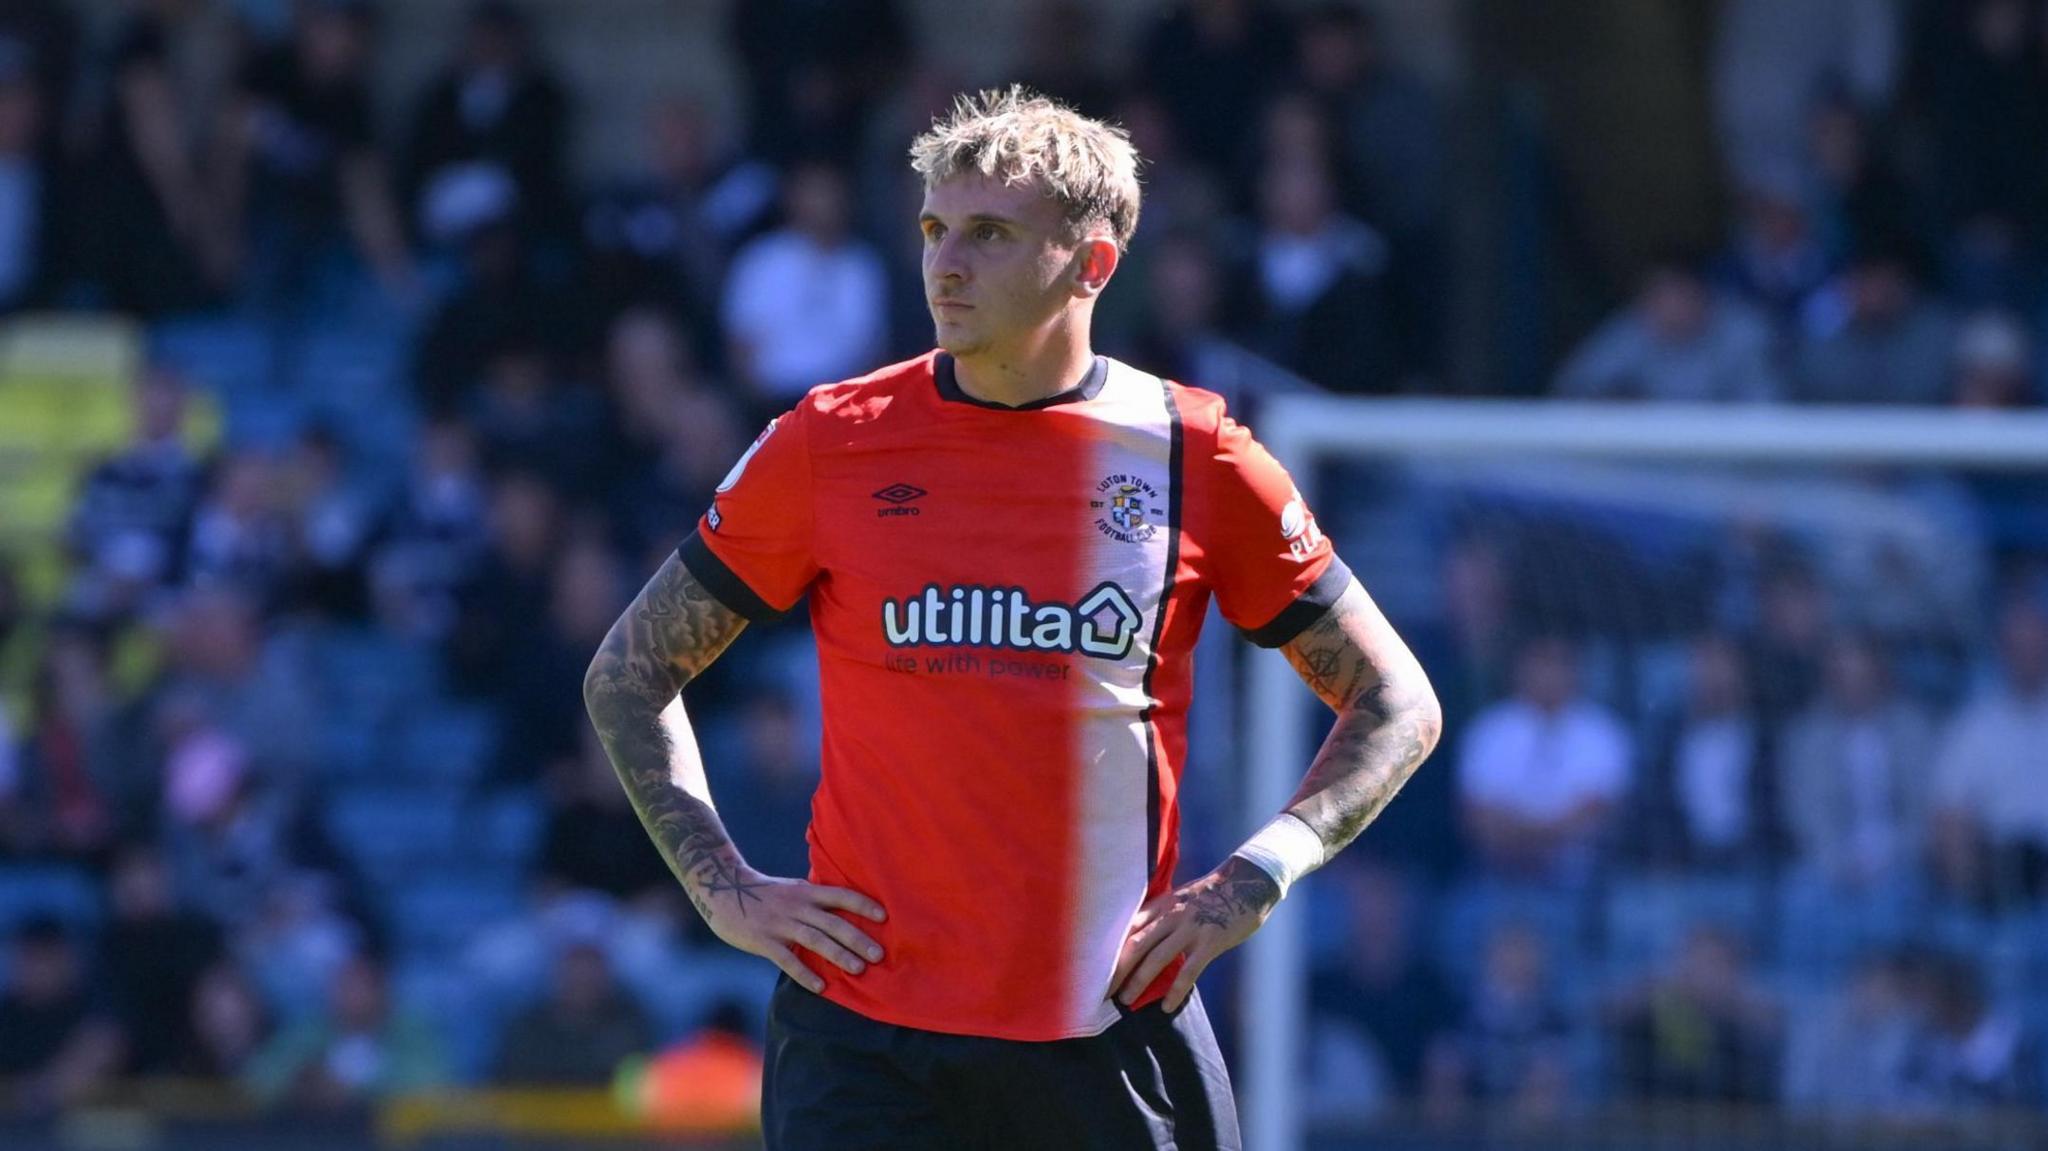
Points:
x=948 y=262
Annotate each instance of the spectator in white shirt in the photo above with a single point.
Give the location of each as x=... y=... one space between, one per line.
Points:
x=1542 y=771
x=807 y=304
x=1990 y=800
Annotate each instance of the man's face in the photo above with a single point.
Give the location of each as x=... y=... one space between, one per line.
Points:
x=997 y=264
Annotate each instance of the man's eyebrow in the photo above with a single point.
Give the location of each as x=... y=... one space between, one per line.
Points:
x=976 y=218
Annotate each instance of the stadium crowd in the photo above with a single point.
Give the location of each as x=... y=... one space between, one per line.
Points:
x=296 y=789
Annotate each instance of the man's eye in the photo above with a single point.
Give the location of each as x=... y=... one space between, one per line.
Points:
x=932 y=234
x=988 y=232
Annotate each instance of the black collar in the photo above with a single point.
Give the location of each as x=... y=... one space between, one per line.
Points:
x=1087 y=389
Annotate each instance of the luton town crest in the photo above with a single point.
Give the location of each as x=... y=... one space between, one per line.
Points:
x=1132 y=509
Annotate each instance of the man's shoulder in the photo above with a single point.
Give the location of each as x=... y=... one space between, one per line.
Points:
x=852 y=407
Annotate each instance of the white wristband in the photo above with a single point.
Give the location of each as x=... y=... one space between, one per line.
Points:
x=1285 y=849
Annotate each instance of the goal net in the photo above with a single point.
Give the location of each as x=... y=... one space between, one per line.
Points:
x=1777 y=618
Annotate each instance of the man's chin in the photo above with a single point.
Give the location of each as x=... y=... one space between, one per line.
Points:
x=956 y=342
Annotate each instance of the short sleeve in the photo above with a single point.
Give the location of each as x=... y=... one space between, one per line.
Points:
x=752 y=547
x=1270 y=567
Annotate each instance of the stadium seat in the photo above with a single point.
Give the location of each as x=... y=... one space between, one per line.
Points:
x=438 y=913
x=232 y=356
x=1647 y=918
x=388 y=830
x=1469 y=914
x=448 y=744
x=507 y=826
x=31 y=890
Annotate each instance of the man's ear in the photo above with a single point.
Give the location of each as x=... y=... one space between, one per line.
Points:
x=1096 y=260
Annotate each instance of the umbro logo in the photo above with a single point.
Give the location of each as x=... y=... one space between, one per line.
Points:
x=899 y=497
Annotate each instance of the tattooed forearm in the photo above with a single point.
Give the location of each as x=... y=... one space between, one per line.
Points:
x=673 y=631
x=1245 y=890
x=1387 y=718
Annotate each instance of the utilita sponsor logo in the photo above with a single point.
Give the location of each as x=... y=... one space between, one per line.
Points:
x=899 y=497
x=1104 y=624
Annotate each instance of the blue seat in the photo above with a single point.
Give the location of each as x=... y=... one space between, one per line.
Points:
x=507 y=827
x=453 y=744
x=28 y=891
x=438 y=913
x=1472 y=912
x=231 y=356
x=1647 y=918
x=389 y=831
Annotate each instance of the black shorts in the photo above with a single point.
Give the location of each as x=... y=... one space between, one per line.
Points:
x=839 y=1081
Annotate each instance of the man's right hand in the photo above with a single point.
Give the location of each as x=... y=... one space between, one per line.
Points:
x=771 y=917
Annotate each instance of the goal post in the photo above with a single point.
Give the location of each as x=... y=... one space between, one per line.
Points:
x=1307 y=431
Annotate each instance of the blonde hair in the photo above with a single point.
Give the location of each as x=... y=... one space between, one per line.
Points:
x=1088 y=167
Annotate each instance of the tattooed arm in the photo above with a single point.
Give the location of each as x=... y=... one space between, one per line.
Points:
x=672 y=631
x=1388 y=719
x=1387 y=722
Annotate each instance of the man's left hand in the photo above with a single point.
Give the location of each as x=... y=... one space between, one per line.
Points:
x=1201 y=920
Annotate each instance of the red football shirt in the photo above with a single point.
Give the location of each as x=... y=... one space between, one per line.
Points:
x=1006 y=602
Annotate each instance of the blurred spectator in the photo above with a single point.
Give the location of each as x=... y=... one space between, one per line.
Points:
x=813 y=70
x=1681 y=340
x=542 y=690
x=581 y=1033
x=500 y=301
x=239 y=538
x=1382 y=990
x=152 y=956
x=299 y=164
x=1847 y=1053
x=770 y=781
x=1182 y=337
x=129 y=523
x=1991 y=821
x=1059 y=56
x=707 y=1083
x=664 y=238
x=1855 y=776
x=227 y=1022
x=1860 y=196
x=32 y=201
x=1776 y=260
x=1793 y=616
x=1704 y=1030
x=57 y=1042
x=496 y=104
x=60 y=793
x=1213 y=63
x=232 y=838
x=151 y=236
x=1391 y=139
x=528 y=417
x=677 y=431
x=429 y=549
x=1510 y=1048
x=1709 y=800
x=226 y=672
x=1769 y=56
x=357 y=1051
x=594 y=840
x=1968 y=1053
x=805 y=304
x=1314 y=288
x=1541 y=772
x=1994 y=364
x=1885 y=343
x=329 y=522
x=1988 y=111
x=511 y=588
x=298 y=934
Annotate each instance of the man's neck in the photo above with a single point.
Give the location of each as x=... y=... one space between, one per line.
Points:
x=1014 y=380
